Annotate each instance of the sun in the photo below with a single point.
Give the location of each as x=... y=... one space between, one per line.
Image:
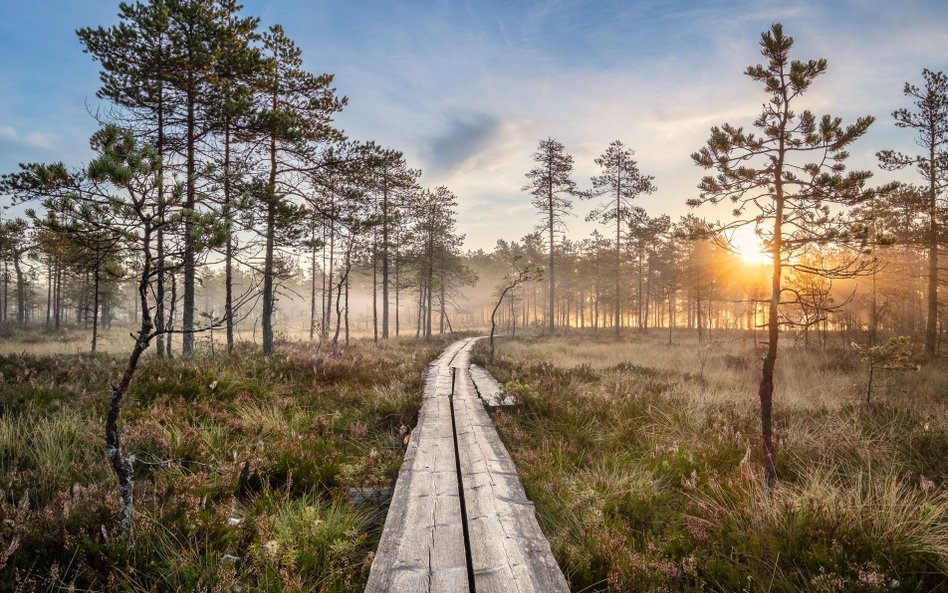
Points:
x=748 y=246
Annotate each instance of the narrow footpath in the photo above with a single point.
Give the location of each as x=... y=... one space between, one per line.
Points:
x=459 y=520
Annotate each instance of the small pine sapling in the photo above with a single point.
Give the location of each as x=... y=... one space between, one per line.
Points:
x=894 y=355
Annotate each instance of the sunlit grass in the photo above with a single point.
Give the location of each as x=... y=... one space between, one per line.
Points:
x=642 y=459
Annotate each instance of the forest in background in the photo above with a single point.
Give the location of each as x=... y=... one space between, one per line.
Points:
x=262 y=214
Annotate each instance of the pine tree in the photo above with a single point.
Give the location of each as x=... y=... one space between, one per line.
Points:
x=552 y=189
x=771 y=176
x=295 y=119
x=930 y=120
x=234 y=80
x=197 y=30
x=621 y=182
x=135 y=55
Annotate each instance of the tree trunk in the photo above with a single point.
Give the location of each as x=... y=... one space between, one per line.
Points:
x=873 y=314
x=160 y=239
x=122 y=465
x=375 y=287
x=343 y=281
x=49 y=291
x=332 y=246
x=348 y=284
x=229 y=247
x=766 y=390
x=171 y=307
x=312 y=281
x=268 y=289
x=190 y=205
x=552 y=319
x=429 y=286
x=57 y=297
x=385 y=222
x=931 y=328
x=95 y=306
x=441 y=303
x=20 y=290
x=648 y=293
x=397 y=290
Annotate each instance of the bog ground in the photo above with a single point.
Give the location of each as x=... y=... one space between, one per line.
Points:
x=640 y=457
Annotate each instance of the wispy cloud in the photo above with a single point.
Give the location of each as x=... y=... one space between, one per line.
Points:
x=39 y=140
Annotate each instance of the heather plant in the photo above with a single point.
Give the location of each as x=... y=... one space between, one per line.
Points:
x=244 y=467
x=645 y=478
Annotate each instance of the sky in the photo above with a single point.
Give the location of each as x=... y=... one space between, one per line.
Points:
x=466 y=89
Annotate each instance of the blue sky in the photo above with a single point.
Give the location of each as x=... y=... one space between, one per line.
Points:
x=466 y=89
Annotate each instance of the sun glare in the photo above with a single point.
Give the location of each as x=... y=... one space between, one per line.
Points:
x=748 y=246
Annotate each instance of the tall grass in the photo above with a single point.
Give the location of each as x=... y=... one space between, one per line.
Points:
x=642 y=460
x=243 y=467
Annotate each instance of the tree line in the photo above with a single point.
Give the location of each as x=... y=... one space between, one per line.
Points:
x=241 y=167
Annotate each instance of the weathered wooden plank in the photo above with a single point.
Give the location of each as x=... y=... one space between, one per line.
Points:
x=447 y=356
x=489 y=389
x=508 y=550
x=462 y=359
x=422 y=544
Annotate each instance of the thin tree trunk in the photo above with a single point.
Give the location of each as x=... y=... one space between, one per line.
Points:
x=312 y=281
x=552 y=319
x=375 y=288
x=385 y=222
x=648 y=294
x=187 y=314
x=20 y=291
x=122 y=465
x=6 y=290
x=160 y=239
x=58 y=297
x=171 y=307
x=397 y=289
x=229 y=248
x=931 y=328
x=268 y=288
x=343 y=281
x=441 y=317
x=49 y=291
x=95 y=306
x=348 y=284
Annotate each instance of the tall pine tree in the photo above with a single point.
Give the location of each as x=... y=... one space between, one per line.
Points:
x=772 y=184
x=930 y=121
x=552 y=188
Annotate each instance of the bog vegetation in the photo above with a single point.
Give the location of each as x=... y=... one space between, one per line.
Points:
x=643 y=462
x=260 y=472
x=224 y=213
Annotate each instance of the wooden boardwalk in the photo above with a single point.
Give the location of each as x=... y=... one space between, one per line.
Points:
x=459 y=519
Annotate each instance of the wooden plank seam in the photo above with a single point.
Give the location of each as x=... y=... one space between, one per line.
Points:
x=496 y=519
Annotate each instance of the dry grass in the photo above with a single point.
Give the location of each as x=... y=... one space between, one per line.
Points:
x=243 y=466
x=642 y=460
